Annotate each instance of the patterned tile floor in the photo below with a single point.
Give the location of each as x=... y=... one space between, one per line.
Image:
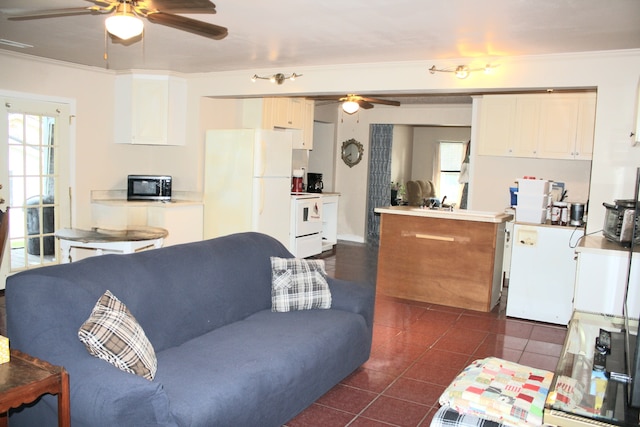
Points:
x=418 y=349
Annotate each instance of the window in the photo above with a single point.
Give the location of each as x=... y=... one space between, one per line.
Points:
x=450 y=161
x=34 y=173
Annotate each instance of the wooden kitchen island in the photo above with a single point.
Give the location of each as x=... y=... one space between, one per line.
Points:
x=451 y=258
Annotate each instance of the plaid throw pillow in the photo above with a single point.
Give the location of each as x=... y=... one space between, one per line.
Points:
x=111 y=333
x=298 y=284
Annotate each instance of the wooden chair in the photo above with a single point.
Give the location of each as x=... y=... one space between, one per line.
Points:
x=4 y=231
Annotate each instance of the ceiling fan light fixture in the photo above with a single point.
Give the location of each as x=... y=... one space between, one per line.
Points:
x=350 y=107
x=124 y=24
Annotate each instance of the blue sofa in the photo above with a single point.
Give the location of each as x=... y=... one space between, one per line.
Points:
x=223 y=357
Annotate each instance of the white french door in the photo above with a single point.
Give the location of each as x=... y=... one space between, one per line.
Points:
x=34 y=173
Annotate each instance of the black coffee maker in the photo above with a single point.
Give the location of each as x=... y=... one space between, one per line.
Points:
x=314 y=183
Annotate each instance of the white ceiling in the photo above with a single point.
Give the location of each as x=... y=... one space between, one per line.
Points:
x=285 y=34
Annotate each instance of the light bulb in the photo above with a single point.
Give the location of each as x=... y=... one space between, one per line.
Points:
x=350 y=107
x=124 y=26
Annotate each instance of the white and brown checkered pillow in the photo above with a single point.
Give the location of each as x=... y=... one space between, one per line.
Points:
x=298 y=284
x=111 y=333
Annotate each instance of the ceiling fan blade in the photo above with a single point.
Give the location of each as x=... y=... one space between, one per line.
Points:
x=381 y=101
x=179 y=6
x=53 y=13
x=364 y=104
x=326 y=97
x=187 y=24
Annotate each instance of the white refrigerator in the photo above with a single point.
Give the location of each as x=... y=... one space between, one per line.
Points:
x=247 y=182
x=543 y=272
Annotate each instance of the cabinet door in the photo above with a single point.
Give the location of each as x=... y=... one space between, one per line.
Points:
x=296 y=113
x=497 y=116
x=527 y=127
x=306 y=143
x=586 y=126
x=281 y=114
x=558 y=127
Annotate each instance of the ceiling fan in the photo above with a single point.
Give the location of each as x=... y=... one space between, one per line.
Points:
x=352 y=103
x=125 y=21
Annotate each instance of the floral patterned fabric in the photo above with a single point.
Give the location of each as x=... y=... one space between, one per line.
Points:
x=501 y=391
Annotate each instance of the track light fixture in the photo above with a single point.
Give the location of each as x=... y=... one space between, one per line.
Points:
x=462 y=71
x=278 y=78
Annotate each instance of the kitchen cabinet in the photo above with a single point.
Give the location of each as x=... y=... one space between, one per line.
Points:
x=329 y=220
x=566 y=127
x=439 y=257
x=182 y=219
x=602 y=276
x=551 y=126
x=282 y=113
x=150 y=109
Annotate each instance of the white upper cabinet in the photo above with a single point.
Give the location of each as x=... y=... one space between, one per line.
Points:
x=294 y=114
x=550 y=126
x=150 y=109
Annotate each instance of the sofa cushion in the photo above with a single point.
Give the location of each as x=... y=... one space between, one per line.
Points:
x=298 y=284
x=111 y=333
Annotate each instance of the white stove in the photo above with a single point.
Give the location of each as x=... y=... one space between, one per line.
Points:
x=306 y=225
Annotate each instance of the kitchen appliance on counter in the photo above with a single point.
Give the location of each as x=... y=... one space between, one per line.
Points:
x=619 y=221
x=297 y=182
x=576 y=215
x=149 y=187
x=306 y=225
x=314 y=182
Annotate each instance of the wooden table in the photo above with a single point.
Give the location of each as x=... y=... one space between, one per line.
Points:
x=25 y=378
x=119 y=241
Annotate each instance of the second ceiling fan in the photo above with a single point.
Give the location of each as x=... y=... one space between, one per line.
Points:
x=351 y=103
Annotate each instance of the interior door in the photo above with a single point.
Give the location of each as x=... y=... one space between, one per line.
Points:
x=34 y=172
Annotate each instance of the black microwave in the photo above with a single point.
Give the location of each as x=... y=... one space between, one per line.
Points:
x=149 y=187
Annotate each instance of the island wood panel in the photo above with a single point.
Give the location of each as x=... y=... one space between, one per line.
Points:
x=441 y=261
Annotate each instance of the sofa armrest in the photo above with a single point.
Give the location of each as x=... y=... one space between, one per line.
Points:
x=103 y=395
x=357 y=297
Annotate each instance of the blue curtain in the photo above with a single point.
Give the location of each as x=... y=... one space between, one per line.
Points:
x=379 y=188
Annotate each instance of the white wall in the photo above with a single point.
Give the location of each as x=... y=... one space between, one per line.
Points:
x=321 y=158
x=401 y=154
x=102 y=165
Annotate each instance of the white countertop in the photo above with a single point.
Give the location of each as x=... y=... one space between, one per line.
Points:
x=119 y=198
x=456 y=214
x=599 y=244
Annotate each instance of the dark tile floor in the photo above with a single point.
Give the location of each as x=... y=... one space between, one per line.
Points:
x=418 y=348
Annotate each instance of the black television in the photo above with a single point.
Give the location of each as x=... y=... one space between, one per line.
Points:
x=632 y=343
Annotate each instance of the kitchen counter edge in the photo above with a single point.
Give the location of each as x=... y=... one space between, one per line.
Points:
x=456 y=214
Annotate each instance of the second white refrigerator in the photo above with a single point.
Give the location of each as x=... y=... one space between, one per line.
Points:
x=543 y=272
x=247 y=182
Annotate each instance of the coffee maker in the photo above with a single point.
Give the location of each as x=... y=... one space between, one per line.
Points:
x=314 y=182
